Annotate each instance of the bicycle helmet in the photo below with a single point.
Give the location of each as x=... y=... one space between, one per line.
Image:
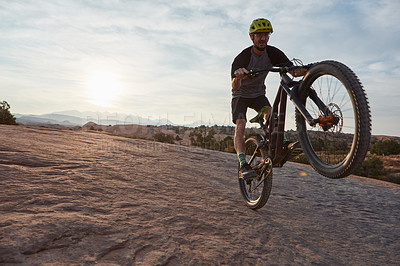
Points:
x=260 y=25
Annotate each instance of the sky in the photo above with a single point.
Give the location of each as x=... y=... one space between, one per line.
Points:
x=171 y=59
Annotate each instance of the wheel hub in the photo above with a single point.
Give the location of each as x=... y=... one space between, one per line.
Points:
x=334 y=120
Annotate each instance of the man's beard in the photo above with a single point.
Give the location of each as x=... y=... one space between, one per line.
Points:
x=259 y=48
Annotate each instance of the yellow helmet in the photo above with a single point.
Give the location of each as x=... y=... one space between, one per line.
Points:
x=260 y=25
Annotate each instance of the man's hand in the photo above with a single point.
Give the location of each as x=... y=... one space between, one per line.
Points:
x=240 y=74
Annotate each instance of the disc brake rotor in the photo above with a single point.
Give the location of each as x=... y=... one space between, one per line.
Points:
x=334 y=121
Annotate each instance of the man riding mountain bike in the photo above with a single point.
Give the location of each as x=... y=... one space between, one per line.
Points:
x=248 y=92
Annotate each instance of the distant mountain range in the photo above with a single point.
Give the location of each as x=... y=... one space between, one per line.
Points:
x=77 y=118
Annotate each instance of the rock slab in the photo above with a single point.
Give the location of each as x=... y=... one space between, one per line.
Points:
x=85 y=198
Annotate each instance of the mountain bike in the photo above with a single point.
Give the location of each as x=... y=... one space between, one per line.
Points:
x=333 y=125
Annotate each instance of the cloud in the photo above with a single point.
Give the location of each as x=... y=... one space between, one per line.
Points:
x=174 y=57
x=380 y=17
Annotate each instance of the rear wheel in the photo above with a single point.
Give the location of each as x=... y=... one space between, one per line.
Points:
x=256 y=191
x=337 y=146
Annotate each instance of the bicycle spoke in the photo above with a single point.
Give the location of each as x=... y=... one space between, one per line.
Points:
x=253 y=158
x=329 y=144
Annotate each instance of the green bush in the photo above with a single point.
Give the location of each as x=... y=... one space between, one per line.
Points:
x=318 y=144
x=386 y=147
x=227 y=145
x=5 y=116
x=335 y=146
x=203 y=137
x=372 y=167
x=162 y=137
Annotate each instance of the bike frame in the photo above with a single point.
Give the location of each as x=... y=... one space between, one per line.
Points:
x=276 y=124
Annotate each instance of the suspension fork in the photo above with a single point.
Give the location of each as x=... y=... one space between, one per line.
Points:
x=312 y=94
x=278 y=115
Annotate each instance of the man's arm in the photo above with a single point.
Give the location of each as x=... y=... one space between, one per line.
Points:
x=240 y=74
x=238 y=68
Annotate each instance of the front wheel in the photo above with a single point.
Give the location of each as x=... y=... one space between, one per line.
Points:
x=256 y=191
x=337 y=145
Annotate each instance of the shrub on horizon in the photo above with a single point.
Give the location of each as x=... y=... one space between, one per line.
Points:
x=5 y=116
x=162 y=137
x=372 y=167
x=386 y=147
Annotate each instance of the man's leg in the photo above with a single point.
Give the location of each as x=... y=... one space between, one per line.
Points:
x=239 y=108
x=245 y=170
x=238 y=140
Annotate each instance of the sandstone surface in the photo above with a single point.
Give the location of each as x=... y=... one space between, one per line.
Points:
x=85 y=198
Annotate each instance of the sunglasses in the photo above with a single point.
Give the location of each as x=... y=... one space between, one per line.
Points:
x=263 y=34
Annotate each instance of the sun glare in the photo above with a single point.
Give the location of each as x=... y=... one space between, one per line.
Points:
x=103 y=88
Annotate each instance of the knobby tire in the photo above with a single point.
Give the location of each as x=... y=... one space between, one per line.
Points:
x=321 y=147
x=258 y=198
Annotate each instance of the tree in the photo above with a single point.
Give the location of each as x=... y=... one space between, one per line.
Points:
x=5 y=116
x=228 y=145
x=201 y=138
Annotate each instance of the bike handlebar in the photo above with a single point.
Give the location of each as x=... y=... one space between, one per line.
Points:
x=281 y=70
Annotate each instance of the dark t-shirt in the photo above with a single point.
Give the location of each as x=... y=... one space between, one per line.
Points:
x=252 y=88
